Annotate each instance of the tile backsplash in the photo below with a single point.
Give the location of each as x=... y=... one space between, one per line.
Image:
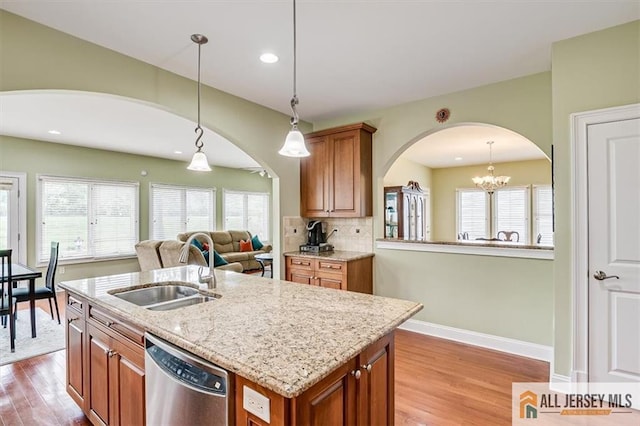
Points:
x=352 y=234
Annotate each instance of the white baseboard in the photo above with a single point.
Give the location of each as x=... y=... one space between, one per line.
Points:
x=502 y=344
x=560 y=383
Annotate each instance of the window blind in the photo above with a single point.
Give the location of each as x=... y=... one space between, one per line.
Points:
x=511 y=212
x=247 y=210
x=176 y=209
x=543 y=215
x=89 y=218
x=472 y=213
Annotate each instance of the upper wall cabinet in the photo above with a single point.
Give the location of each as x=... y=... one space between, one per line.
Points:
x=335 y=180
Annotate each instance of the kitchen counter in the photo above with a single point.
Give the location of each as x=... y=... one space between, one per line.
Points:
x=280 y=335
x=346 y=256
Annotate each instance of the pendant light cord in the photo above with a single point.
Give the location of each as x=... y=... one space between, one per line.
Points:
x=294 y=99
x=199 y=143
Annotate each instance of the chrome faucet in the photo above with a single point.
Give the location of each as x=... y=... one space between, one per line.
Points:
x=184 y=256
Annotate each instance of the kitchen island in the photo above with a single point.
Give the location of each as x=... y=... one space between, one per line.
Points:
x=318 y=355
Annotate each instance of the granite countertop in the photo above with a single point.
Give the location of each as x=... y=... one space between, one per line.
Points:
x=281 y=335
x=472 y=243
x=332 y=255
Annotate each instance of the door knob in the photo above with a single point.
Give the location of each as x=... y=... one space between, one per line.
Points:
x=601 y=275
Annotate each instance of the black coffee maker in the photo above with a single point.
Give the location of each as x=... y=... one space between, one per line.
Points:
x=316 y=233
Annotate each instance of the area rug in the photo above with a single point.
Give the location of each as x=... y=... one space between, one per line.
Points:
x=50 y=337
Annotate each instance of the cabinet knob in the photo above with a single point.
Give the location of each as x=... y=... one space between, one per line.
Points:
x=356 y=374
x=69 y=320
x=112 y=353
x=366 y=367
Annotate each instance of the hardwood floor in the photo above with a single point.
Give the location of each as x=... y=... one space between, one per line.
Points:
x=438 y=382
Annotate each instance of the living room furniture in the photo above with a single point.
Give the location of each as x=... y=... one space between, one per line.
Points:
x=265 y=259
x=351 y=271
x=405 y=212
x=335 y=180
x=6 y=300
x=227 y=244
x=157 y=254
x=149 y=254
x=48 y=291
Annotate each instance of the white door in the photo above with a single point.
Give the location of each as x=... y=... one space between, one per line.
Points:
x=9 y=215
x=613 y=155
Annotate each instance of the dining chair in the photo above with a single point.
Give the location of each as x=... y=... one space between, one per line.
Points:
x=509 y=236
x=49 y=290
x=7 y=299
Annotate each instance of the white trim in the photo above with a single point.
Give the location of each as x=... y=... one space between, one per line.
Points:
x=468 y=248
x=502 y=344
x=579 y=123
x=22 y=212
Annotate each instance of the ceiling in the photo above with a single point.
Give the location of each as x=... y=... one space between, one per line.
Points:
x=467 y=145
x=353 y=55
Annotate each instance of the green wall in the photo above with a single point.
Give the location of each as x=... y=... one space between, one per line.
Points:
x=500 y=296
x=33 y=158
x=593 y=71
x=447 y=180
x=404 y=170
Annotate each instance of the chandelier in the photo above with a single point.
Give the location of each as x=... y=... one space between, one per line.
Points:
x=490 y=182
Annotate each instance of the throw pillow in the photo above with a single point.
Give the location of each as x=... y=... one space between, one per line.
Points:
x=256 y=243
x=218 y=260
x=246 y=245
x=197 y=243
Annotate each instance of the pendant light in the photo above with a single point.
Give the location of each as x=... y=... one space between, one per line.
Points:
x=294 y=143
x=199 y=161
x=490 y=182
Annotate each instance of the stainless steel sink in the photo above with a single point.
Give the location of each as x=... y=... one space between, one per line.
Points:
x=164 y=297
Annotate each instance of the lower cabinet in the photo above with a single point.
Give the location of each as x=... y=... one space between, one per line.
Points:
x=359 y=392
x=352 y=275
x=105 y=368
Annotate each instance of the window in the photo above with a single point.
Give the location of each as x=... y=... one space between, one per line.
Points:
x=13 y=214
x=543 y=215
x=90 y=219
x=176 y=209
x=247 y=210
x=472 y=213
x=511 y=212
x=480 y=215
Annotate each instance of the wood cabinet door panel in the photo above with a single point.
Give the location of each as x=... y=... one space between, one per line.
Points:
x=314 y=179
x=300 y=277
x=300 y=263
x=99 y=396
x=330 y=402
x=344 y=174
x=131 y=396
x=334 y=282
x=75 y=356
x=331 y=266
x=376 y=404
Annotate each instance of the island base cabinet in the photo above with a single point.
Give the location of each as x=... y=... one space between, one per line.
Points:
x=359 y=392
x=116 y=374
x=75 y=337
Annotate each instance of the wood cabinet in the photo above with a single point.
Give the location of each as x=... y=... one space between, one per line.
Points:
x=335 y=180
x=352 y=275
x=105 y=365
x=359 y=392
x=407 y=212
x=76 y=350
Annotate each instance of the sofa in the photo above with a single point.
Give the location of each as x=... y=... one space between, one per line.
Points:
x=227 y=244
x=157 y=254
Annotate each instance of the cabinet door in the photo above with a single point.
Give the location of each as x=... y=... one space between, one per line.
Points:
x=344 y=174
x=332 y=401
x=128 y=368
x=75 y=356
x=376 y=403
x=314 y=179
x=99 y=384
x=330 y=281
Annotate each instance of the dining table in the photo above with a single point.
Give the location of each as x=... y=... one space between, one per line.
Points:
x=20 y=272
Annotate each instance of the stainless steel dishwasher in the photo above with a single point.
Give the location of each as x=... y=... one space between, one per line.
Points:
x=183 y=389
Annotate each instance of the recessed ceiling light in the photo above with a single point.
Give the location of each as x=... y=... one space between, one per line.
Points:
x=177 y=152
x=269 y=58
x=458 y=158
x=54 y=132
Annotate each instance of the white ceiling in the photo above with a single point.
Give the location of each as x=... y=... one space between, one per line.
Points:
x=353 y=55
x=468 y=143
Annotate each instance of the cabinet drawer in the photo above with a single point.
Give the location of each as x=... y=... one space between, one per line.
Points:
x=331 y=266
x=300 y=263
x=75 y=303
x=123 y=329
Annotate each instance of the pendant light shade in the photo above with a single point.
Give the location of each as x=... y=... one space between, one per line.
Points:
x=199 y=162
x=294 y=143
